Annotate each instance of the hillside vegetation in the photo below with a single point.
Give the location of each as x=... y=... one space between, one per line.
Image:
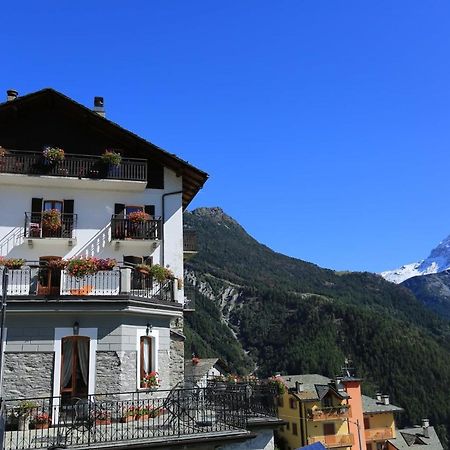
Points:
x=295 y=317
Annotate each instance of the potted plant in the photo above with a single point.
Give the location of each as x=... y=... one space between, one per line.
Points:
x=138 y=217
x=278 y=383
x=41 y=421
x=2 y=152
x=57 y=264
x=80 y=267
x=51 y=222
x=195 y=360
x=160 y=273
x=105 y=264
x=53 y=155
x=102 y=417
x=150 y=380
x=23 y=414
x=12 y=263
x=129 y=414
x=111 y=158
x=143 y=269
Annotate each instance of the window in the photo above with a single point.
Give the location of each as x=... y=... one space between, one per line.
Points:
x=280 y=401
x=327 y=402
x=292 y=403
x=366 y=423
x=294 y=429
x=328 y=429
x=380 y=445
x=368 y=446
x=74 y=367
x=53 y=204
x=287 y=426
x=146 y=357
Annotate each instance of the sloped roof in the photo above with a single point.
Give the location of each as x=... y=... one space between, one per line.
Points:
x=193 y=178
x=372 y=406
x=198 y=371
x=414 y=438
x=315 y=386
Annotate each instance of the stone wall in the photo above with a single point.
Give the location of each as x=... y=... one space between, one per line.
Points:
x=28 y=374
x=176 y=362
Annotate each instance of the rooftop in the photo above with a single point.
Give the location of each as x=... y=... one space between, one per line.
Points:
x=373 y=406
x=315 y=386
x=411 y=438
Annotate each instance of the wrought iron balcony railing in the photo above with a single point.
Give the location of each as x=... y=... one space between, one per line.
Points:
x=74 y=165
x=123 y=228
x=123 y=282
x=101 y=421
x=38 y=227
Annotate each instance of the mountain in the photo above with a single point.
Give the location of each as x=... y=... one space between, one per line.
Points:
x=438 y=261
x=433 y=291
x=262 y=310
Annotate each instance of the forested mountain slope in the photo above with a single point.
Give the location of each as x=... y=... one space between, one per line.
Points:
x=294 y=317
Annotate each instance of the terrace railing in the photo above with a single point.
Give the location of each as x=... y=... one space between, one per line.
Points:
x=123 y=228
x=102 y=420
x=378 y=434
x=37 y=228
x=123 y=282
x=74 y=165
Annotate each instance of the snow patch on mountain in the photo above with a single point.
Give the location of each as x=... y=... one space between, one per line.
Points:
x=438 y=261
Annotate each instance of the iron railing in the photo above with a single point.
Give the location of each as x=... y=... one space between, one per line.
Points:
x=124 y=228
x=102 y=420
x=74 y=165
x=36 y=226
x=189 y=240
x=258 y=399
x=121 y=282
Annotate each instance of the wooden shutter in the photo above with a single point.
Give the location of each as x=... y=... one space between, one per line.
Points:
x=328 y=429
x=119 y=209
x=36 y=210
x=68 y=206
x=67 y=218
x=150 y=210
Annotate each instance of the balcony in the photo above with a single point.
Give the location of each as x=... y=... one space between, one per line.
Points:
x=126 y=419
x=124 y=283
x=333 y=440
x=37 y=227
x=189 y=297
x=73 y=169
x=123 y=228
x=378 y=434
x=330 y=413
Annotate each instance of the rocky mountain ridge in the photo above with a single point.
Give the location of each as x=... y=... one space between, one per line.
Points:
x=437 y=261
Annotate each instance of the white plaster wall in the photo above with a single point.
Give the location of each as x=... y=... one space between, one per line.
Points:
x=94 y=208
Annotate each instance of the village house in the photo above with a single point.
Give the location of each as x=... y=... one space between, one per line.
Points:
x=336 y=414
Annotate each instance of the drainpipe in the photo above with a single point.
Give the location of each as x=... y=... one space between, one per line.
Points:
x=163 y=219
x=4 y=282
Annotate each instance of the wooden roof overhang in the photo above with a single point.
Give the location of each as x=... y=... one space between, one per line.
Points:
x=137 y=147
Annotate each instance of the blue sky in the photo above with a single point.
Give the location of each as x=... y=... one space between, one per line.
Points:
x=324 y=125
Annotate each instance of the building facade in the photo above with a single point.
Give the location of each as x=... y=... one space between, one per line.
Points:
x=74 y=336
x=335 y=413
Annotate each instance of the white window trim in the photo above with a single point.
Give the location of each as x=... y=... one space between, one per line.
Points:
x=154 y=334
x=61 y=333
